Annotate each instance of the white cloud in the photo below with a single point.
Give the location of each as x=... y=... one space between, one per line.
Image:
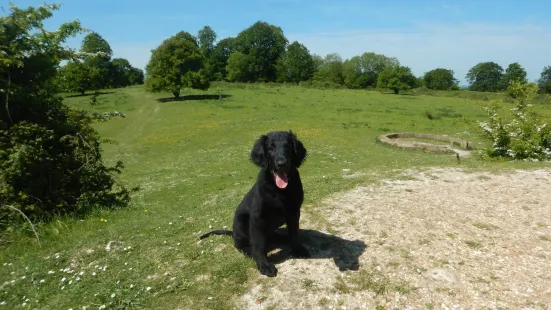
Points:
x=430 y=45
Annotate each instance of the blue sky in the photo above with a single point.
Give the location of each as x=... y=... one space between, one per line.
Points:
x=422 y=34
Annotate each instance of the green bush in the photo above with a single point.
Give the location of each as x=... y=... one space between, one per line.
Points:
x=526 y=136
x=50 y=155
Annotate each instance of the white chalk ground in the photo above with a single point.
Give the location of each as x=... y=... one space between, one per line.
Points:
x=437 y=239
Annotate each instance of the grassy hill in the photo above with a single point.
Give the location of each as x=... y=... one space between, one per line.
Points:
x=190 y=159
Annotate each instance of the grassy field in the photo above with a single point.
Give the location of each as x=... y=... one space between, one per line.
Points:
x=190 y=159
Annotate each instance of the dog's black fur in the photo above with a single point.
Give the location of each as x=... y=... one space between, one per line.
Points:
x=266 y=206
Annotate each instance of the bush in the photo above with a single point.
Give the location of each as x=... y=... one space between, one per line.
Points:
x=50 y=155
x=526 y=136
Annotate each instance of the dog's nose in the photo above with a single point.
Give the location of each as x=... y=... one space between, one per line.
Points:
x=281 y=163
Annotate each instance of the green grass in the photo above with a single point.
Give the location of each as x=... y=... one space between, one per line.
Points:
x=190 y=159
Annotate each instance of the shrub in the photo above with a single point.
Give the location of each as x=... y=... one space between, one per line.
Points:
x=50 y=155
x=526 y=136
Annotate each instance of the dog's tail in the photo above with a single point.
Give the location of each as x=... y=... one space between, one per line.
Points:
x=216 y=232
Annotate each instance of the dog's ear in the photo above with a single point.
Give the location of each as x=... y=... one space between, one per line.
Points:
x=299 y=151
x=258 y=153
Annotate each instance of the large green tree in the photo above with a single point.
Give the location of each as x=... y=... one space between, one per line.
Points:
x=397 y=79
x=239 y=67
x=486 y=77
x=353 y=74
x=330 y=71
x=123 y=74
x=296 y=64
x=50 y=155
x=75 y=77
x=362 y=71
x=544 y=82
x=264 y=44
x=207 y=40
x=97 y=60
x=175 y=64
x=440 y=79
x=514 y=72
x=219 y=59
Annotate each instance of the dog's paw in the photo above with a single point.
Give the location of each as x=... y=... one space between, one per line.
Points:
x=300 y=251
x=268 y=270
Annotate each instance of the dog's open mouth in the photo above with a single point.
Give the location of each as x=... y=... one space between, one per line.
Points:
x=281 y=179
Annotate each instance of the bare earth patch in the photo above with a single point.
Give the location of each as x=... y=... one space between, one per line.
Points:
x=437 y=239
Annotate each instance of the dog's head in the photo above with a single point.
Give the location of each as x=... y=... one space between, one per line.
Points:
x=278 y=151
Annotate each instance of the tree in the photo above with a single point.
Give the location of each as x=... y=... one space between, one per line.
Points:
x=219 y=59
x=362 y=71
x=486 y=77
x=120 y=71
x=239 y=67
x=397 y=78
x=330 y=70
x=514 y=72
x=296 y=64
x=373 y=64
x=440 y=79
x=50 y=155
x=353 y=74
x=544 y=83
x=178 y=62
x=206 y=37
x=136 y=76
x=74 y=77
x=264 y=43
x=97 y=60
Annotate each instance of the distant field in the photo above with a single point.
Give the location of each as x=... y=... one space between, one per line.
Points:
x=190 y=158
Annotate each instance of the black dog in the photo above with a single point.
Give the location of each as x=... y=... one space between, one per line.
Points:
x=275 y=199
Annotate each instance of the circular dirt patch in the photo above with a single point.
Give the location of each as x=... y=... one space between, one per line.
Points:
x=428 y=142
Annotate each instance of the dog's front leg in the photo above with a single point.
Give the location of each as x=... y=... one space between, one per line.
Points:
x=259 y=250
x=292 y=222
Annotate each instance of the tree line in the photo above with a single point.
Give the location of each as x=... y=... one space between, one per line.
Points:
x=262 y=53
x=96 y=69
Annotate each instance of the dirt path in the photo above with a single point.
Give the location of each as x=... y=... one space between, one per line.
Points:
x=439 y=239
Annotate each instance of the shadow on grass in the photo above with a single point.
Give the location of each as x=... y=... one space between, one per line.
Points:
x=193 y=97
x=90 y=94
x=345 y=253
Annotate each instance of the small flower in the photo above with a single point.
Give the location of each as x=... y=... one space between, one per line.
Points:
x=113 y=295
x=51 y=272
x=131 y=285
x=42 y=281
x=148 y=288
x=170 y=223
x=101 y=307
x=81 y=273
x=63 y=280
x=94 y=273
x=62 y=287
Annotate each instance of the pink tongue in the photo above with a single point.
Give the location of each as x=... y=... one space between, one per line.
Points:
x=281 y=180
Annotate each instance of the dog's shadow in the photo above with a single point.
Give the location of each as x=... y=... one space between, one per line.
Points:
x=345 y=253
